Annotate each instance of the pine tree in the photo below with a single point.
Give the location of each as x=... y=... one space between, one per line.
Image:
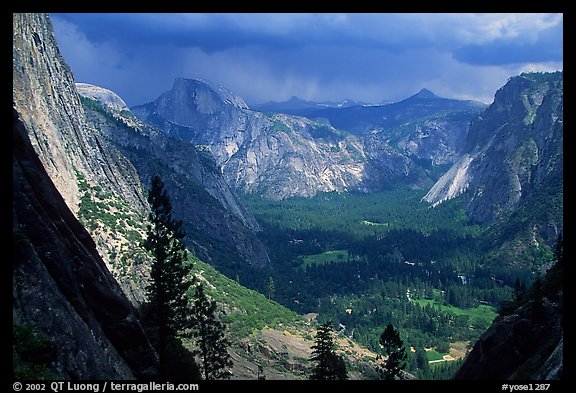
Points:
x=559 y=250
x=537 y=295
x=329 y=366
x=393 y=347
x=210 y=338
x=271 y=288
x=553 y=287
x=518 y=292
x=422 y=362
x=165 y=312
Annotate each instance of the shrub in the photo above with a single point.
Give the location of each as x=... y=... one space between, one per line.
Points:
x=31 y=354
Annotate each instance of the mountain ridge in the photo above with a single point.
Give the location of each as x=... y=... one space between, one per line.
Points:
x=58 y=266
x=213 y=216
x=279 y=155
x=298 y=107
x=511 y=147
x=275 y=154
x=360 y=120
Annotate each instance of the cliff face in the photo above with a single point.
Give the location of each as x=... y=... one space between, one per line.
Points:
x=77 y=157
x=289 y=156
x=528 y=342
x=62 y=287
x=89 y=160
x=514 y=147
x=272 y=154
x=213 y=217
x=278 y=155
x=45 y=96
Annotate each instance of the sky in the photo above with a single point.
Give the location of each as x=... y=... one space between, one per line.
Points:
x=318 y=57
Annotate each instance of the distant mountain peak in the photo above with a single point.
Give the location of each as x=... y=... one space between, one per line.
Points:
x=205 y=91
x=425 y=94
x=105 y=96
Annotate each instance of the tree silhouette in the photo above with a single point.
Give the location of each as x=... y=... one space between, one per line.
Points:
x=165 y=313
x=210 y=338
x=518 y=292
x=329 y=366
x=271 y=288
x=393 y=347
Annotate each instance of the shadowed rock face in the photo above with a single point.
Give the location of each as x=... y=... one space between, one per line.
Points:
x=213 y=217
x=518 y=347
x=61 y=285
x=526 y=344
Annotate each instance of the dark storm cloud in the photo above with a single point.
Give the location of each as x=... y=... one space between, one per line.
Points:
x=262 y=57
x=216 y=32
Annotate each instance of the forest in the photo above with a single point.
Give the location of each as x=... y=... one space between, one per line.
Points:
x=365 y=260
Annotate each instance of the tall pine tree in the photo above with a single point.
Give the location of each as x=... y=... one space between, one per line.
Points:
x=329 y=366
x=210 y=337
x=393 y=347
x=271 y=288
x=166 y=311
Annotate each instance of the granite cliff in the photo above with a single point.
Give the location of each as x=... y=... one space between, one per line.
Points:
x=61 y=286
x=101 y=162
x=513 y=147
x=527 y=341
x=266 y=153
x=213 y=217
x=278 y=155
x=83 y=165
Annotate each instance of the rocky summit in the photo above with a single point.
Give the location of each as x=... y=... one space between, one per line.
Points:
x=213 y=216
x=271 y=154
x=278 y=155
x=107 y=97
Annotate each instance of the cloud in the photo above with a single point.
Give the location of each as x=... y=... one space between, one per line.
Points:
x=223 y=31
x=263 y=57
x=137 y=76
x=542 y=43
